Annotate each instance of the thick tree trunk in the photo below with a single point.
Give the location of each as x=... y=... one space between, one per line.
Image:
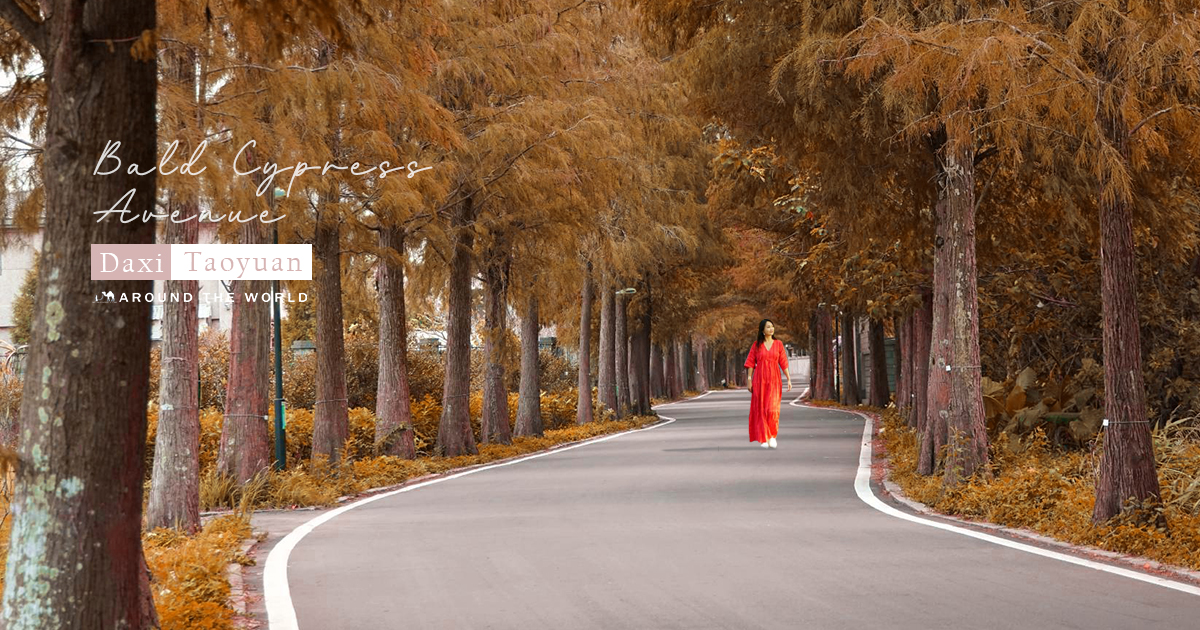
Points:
x=494 y=426
x=955 y=394
x=658 y=369
x=671 y=370
x=641 y=369
x=455 y=436
x=688 y=364
x=967 y=442
x=904 y=378
x=245 y=450
x=393 y=412
x=174 y=500
x=729 y=372
x=932 y=426
x=529 y=400
x=331 y=419
x=850 y=395
x=720 y=367
x=921 y=339
x=175 y=481
x=646 y=406
x=622 y=355
x=583 y=409
x=880 y=393
x=608 y=349
x=75 y=559
x=822 y=368
x=1128 y=480
x=701 y=365
x=685 y=366
x=631 y=365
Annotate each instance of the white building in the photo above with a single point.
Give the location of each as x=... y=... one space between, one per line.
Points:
x=16 y=259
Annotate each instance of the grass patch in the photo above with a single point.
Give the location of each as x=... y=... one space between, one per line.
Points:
x=1052 y=491
x=190 y=588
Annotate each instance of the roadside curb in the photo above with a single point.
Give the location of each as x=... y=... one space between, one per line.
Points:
x=882 y=464
x=454 y=471
x=239 y=594
x=415 y=480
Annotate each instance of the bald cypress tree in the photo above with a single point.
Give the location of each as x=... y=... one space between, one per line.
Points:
x=83 y=412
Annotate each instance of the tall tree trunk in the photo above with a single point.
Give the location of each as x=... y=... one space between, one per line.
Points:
x=608 y=348
x=922 y=339
x=529 y=400
x=671 y=370
x=658 y=370
x=455 y=436
x=174 y=500
x=175 y=481
x=904 y=378
x=245 y=450
x=702 y=365
x=880 y=394
x=393 y=412
x=583 y=409
x=494 y=427
x=631 y=366
x=331 y=419
x=933 y=428
x=682 y=362
x=640 y=343
x=850 y=395
x=822 y=369
x=730 y=372
x=642 y=371
x=1127 y=479
x=75 y=555
x=955 y=295
x=687 y=365
x=622 y=355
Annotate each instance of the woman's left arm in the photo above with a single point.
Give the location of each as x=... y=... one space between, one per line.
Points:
x=783 y=363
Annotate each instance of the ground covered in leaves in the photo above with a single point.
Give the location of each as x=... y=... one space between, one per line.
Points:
x=190 y=583
x=1052 y=491
x=318 y=483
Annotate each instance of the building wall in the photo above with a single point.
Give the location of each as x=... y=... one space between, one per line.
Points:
x=16 y=259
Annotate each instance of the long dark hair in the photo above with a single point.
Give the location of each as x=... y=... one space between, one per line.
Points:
x=762 y=335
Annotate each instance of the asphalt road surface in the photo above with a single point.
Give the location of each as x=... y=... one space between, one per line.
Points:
x=688 y=525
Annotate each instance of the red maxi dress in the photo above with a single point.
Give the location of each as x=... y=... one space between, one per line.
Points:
x=768 y=389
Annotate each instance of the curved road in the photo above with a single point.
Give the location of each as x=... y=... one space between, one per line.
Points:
x=689 y=526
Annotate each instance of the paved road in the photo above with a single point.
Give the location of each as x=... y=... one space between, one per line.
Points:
x=689 y=526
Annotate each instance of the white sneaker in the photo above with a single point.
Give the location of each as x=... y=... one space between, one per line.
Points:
x=773 y=443
x=765 y=445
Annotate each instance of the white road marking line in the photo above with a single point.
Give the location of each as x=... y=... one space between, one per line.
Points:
x=862 y=486
x=281 y=615
x=796 y=403
x=687 y=399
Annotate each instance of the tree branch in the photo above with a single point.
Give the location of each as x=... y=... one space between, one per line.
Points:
x=32 y=31
x=1158 y=113
x=36 y=147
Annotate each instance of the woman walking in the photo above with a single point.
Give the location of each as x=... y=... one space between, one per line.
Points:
x=765 y=361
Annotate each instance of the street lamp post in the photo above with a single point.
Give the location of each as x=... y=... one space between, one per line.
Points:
x=280 y=436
